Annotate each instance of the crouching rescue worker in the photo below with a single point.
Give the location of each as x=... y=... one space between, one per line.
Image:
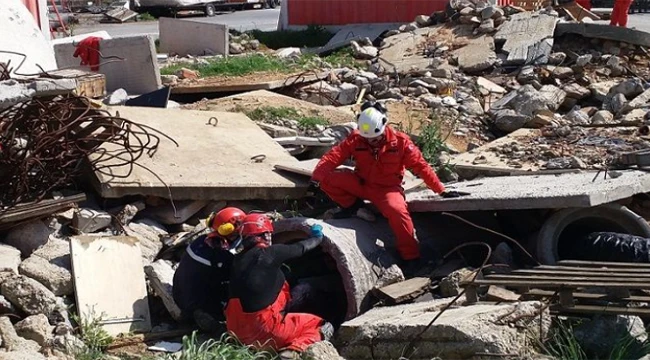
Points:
x=259 y=294
x=200 y=287
x=381 y=155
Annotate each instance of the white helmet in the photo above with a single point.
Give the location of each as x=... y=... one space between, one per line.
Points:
x=372 y=123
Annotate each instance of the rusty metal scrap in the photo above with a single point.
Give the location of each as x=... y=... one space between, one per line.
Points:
x=46 y=144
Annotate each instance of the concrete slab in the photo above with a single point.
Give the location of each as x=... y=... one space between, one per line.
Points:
x=306 y=167
x=535 y=192
x=211 y=162
x=354 y=32
x=477 y=56
x=528 y=38
x=604 y=31
x=241 y=83
x=401 y=52
x=187 y=37
x=137 y=74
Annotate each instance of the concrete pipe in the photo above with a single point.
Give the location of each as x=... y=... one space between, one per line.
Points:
x=566 y=225
x=351 y=248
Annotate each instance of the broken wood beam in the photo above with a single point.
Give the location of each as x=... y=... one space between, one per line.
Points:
x=306 y=141
x=34 y=210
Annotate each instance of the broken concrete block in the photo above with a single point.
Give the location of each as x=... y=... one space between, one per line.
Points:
x=562 y=73
x=363 y=52
x=9 y=258
x=602 y=117
x=527 y=37
x=90 y=220
x=565 y=163
x=207 y=38
x=117 y=97
x=169 y=80
x=56 y=278
x=161 y=278
x=508 y=120
x=617 y=103
x=584 y=60
x=322 y=350
x=177 y=214
x=12 y=92
x=638 y=102
x=185 y=73
x=556 y=58
x=602 y=333
x=631 y=88
x=408 y=27
x=53 y=87
x=486 y=27
x=11 y=341
x=277 y=131
x=28 y=295
x=129 y=212
x=423 y=20
x=348 y=94
x=472 y=106
x=28 y=237
x=458 y=333
x=554 y=96
x=577 y=117
x=290 y=52
x=36 y=328
x=600 y=90
x=488 y=12
x=477 y=56
x=576 y=91
x=138 y=73
x=467 y=11
x=499 y=294
x=148 y=232
x=635 y=116
x=315 y=92
x=450 y=285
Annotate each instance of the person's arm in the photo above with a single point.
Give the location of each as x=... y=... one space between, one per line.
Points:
x=414 y=161
x=333 y=159
x=282 y=253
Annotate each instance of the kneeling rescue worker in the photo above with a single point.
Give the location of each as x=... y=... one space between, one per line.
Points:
x=200 y=285
x=381 y=155
x=259 y=293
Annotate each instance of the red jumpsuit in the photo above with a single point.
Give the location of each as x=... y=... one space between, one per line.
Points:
x=584 y=3
x=377 y=177
x=620 y=13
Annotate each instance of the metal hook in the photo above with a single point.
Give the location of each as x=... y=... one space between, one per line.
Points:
x=258 y=158
x=216 y=121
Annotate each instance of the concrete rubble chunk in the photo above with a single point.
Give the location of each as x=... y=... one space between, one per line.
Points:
x=631 y=88
x=53 y=87
x=477 y=56
x=348 y=94
x=472 y=106
x=527 y=37
x=486 y=27
x=508 y=120
x=565 y=162
x=450 y=285
x=9 y=258
x=23 y=355
x=207 y=38
x=179 y=213
x=600 y=90
x=319 y=93
x=635 y=116
x=117 y=97
x=322 y=350
x=11 y=341
x=562 y=72
x=55 y=277
x=277 y=131
x=584 y=60
x=605 y=32
x=576 y=91
x=363 y=52
x=36 y=328
x=89 y=220
x=488 y=12
x=28 y=295
x=148 y=232
x=602 y=333
x=459 y=333
x=556 y=58
x=161 y=276
x=28 y=237
x=602 y=117
x=12 y=92
x=236 y=48
x=423 y=20
x=126 y=215
x=288 y=52
x=638 y=102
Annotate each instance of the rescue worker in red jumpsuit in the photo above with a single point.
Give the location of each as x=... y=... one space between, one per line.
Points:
x=259 y=294
x=200 y=285
x=381 y=155
x=620 y=13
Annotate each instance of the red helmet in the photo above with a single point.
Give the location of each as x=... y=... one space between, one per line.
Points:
x=227 y=221
x=256 y=224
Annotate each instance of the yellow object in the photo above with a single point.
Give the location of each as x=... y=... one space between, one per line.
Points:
x=226 y=229
x=365 y=127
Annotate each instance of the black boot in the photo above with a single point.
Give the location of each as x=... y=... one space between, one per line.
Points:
x=348 y=212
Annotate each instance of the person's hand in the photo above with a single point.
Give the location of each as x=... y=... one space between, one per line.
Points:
x=450 y=194
x=316 y=231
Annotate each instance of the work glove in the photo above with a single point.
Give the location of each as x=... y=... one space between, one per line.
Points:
x=449 y=194
x=316 y=231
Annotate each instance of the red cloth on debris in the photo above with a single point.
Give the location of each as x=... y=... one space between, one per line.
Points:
x=88 y=51
x=585 y=4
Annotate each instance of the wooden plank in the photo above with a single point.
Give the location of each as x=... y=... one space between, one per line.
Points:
x=595 y=309
x=596 y=270
x=578 y=12
x=567 y=278
x=404 y=291
x=599 y=274
x=496 y=293
x=110 y=283
x=591 y=264
x=37 y=209
x=306 y=168
x=588 y=296
x=204 y=86
x=554 y=284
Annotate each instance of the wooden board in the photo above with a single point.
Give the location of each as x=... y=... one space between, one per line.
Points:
x=404 y=291
x=306 y=168
x=578 y=12
x=561 y=279
x=598 y=264
x=496 y=293
x=585 y=272
x=587 y=296
x=555 y=284
x=109 y=282
x=89 y=84
x=209 y=85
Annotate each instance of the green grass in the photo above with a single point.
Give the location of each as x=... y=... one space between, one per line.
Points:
x=431 y=142
x=270 y=114
x=226 y=348
x=146 y=17
x=236 y=66
x=313 y=36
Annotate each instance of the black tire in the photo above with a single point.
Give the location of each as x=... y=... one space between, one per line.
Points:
x=210 y=10
x=274 y=3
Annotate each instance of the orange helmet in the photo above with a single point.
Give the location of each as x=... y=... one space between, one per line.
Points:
x=256 y=224
x=226 y=222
